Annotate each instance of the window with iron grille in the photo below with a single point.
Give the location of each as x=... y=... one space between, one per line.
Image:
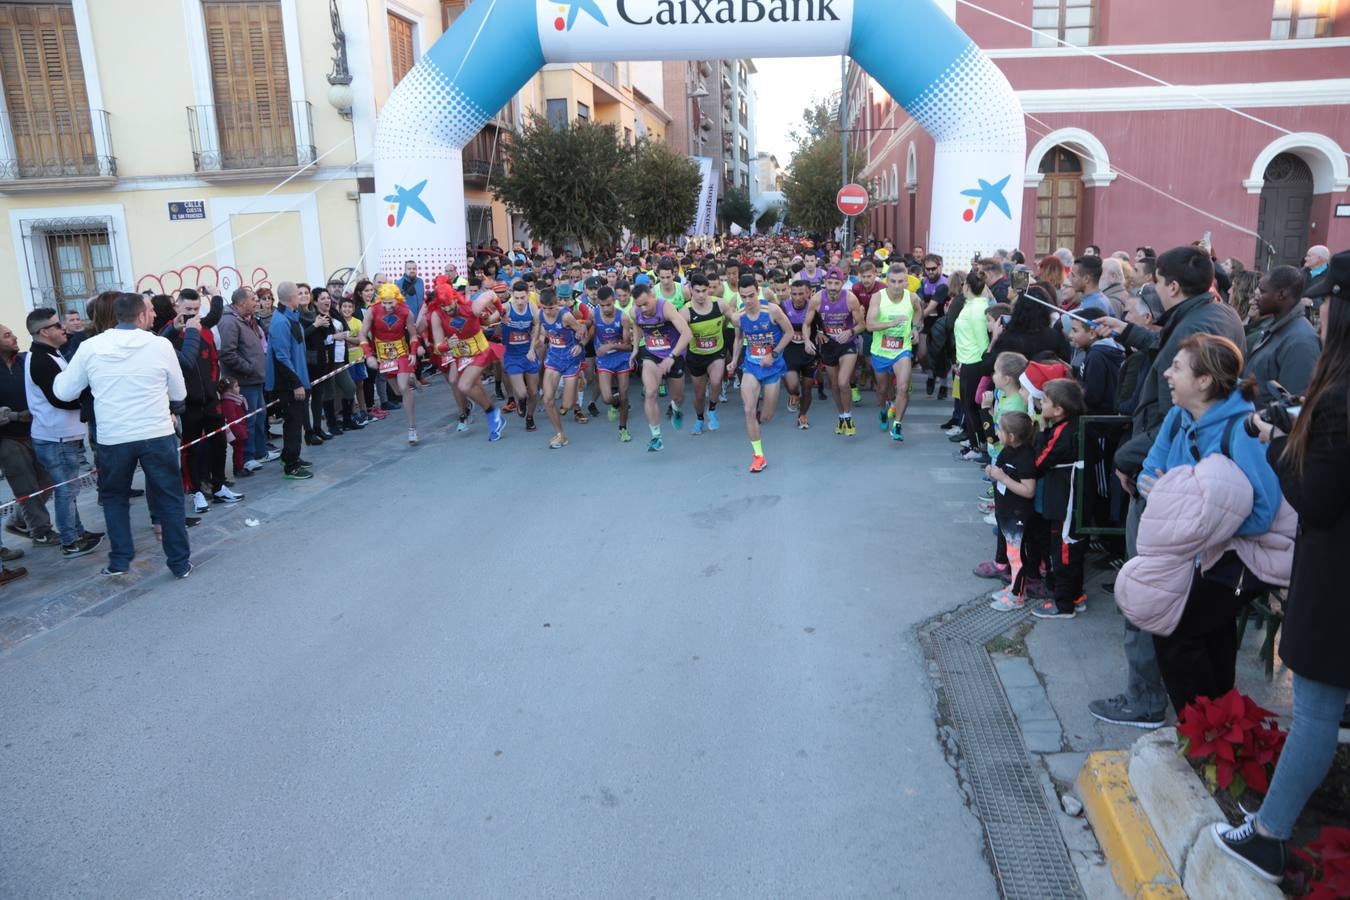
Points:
x=1301 y=19
x=69 y=260
x=1071 y=21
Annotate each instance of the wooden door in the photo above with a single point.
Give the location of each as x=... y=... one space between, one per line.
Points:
x=247 y=50
x=1059 y=201
x=401 y=58
x=45 y=90
x=1286 y=213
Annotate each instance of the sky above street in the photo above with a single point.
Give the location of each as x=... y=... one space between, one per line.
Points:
x=785 y=87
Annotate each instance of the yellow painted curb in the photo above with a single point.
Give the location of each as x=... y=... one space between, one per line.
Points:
x=1138 y=862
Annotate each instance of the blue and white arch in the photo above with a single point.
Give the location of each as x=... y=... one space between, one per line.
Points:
x=950 y=88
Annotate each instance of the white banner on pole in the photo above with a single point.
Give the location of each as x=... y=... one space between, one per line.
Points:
x=705 y=217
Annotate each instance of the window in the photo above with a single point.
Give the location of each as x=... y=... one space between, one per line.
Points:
x=401 y=54
x=556 y=110
x=250 y=83
x=49 y=114
x=81 y=264
x=1301 y=19
x=452 y=10
x=1071 y=21
x=1058 y=201
x=628 y=137
x=583 y=112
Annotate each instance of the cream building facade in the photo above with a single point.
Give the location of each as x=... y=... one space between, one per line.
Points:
x=168 y=143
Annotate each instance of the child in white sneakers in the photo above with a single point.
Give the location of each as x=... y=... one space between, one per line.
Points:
x=1014 y=475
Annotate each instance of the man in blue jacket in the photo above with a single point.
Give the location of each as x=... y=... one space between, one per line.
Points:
x=288 y=375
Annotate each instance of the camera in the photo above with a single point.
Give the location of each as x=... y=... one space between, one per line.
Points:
x=1279 y=413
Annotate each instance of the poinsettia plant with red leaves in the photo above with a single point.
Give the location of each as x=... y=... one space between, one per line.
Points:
x=1236 y=741
x=1328 y=863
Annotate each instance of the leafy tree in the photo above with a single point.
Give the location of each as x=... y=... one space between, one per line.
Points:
x=813 y=179
x=736 y=208
x=659 y=191
x=565 y=181
x=768 y=219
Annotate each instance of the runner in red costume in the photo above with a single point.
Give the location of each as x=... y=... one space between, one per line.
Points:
x=460 y=347
x=390 y=343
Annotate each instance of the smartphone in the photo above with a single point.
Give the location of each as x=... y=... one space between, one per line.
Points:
x=1004 y=320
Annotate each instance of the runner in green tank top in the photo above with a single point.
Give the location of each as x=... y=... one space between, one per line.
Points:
x=667 y=288
x=705 y=358
x=890 y=319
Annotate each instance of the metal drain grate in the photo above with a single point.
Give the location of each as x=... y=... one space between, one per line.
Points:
x=1029 y=856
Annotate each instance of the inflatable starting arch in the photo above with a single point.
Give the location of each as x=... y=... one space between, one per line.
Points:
x=911 y=47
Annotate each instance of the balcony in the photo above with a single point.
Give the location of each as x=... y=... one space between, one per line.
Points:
x=64 y=149
x=609 y=71
x=484 y=159
x=237 y=140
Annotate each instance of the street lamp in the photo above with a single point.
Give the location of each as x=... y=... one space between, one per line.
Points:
x=697 y=93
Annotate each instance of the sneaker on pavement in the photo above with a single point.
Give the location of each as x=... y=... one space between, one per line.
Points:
x=1118 y=710
x=271 y=455
x=1048 y=610
x=654 y=445
x=624 y=436
x=559 y=441
x=225 y=495
x=7 y=575
x=46 y=539
x=9 y=554
x=297 y=472
x=697 y=429
x=1266 y=856
x=802 y=422
x=496 y=424
x=713 y=424
x=990 y=520
x=758 y=464
x=991 y=569
x=897 y=431
x=253 y=465
x=17 y=528
x=199 y=504
x=1080 y=605
x=110 y=572
x=412 y=435
x=85 y=545
x=676 y=418
x=1006 y=601
x=185 y=573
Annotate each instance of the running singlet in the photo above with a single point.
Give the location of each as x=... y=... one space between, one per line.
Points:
x=678 y=301
x=389 y=334
x=815 y=279
x=608 y=332
x=517 y=327
x=835 y=315
x=797 y=316
x=761 y=335
x=707 y=329
x=659 y=336
x=561 y=340
x=895 y=340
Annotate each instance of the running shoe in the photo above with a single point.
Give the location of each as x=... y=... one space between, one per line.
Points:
x=661 y=391
x=984 y=506
x=1080 y=604
x=954 y=431
x=990 y=520
x=676 y=418
x=942 y=393
x=850 y=430
x=991 y=569
x=713 y=424
x=856 y=394
x=802 y=423
x=559 y=441
x=613 y=414
x=522 y=409
x=463 y=424
x=793 y=402
x=378 y=414
x=950 y=423
x=529 y=424
x=971 y=455
x=1048 y=610
x=897 y=431
x=883 y=417
x=225 y=495
x=722 y=394
x=412 y=435
x=698 y=427
x=654 y=444
x=932 y=383
x=1006 y=601
x=510 y=405
x=1118 y=711
x=624 y=436
x=593 y=409
x=839 y=428
x=758 y=464
x=199 y=504
x=580 y=416
x=496 y=424
x=297 y=473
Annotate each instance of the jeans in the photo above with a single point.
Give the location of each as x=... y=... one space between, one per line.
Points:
x=25 y=475
x=62 y=462
x=257 y=425
x=158 y=458
x=1307 y=754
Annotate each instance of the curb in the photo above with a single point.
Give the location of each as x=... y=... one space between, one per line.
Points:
x=1151 y=815
x=1138 y=862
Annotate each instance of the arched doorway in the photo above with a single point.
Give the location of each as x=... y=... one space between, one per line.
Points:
x=1059 y=201
x=1286 y=213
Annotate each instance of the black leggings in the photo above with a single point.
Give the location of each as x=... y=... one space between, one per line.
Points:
x=1199 y=658
x=970 y=404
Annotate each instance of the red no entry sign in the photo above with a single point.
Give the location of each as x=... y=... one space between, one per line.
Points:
x=852 y=199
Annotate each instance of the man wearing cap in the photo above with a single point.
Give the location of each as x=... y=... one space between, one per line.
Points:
x=841 y=321
x=1183 y=281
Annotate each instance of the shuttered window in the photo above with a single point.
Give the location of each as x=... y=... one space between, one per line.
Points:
x=401 y=58
x=44 y=86
x=254 y=113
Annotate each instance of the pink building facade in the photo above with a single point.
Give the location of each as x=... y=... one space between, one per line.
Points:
x=1117 y=159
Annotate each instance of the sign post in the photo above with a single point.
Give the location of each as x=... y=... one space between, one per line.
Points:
x=851 y=201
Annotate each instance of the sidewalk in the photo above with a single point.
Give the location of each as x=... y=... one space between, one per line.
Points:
x=57 y=590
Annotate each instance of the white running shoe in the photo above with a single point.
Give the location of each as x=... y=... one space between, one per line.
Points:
x=225 y=495
x=272 y=456
x=199 y=504
x=412 y=435
x=253 y=465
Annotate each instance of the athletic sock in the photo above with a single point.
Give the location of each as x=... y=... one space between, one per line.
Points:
x=712 y=406
x=656 y=430
x=758 y=447
x=843 y=416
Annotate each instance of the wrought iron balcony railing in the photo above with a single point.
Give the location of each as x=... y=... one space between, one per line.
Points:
x=232 y=135
x=70 y=143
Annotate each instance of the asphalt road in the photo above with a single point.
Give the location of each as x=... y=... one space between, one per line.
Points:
x=503 y=671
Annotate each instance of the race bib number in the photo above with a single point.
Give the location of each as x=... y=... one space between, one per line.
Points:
x=837 y=332
x=797 y=338
x=890 y=342
x=388 y=366
x=706 y=343
x=557 y=339
x=758 y=352
x=657 y=340
x=519 y=337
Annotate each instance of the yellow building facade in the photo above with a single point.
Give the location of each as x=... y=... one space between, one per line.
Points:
x=168 y=143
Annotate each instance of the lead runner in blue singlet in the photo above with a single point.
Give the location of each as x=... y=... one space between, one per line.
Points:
x=764 y=331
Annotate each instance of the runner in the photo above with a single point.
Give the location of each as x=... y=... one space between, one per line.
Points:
x=933 y=293
x=614 y=343
x=865 y=288
x=891 y=321
x=581 y=311
x=706 y=359
x=461 y=348
x=520 y=328
x=801 y=363
x=667 y=288
x=841 y=320
x=390 y=343
x=665 y=337
x=765 y=331
x=562 y=364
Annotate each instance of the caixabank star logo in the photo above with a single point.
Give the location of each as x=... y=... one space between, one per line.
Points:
x=572 y=9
